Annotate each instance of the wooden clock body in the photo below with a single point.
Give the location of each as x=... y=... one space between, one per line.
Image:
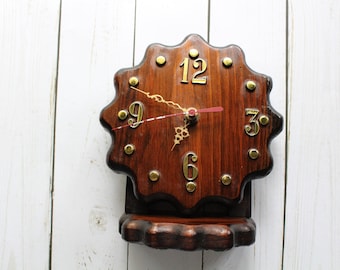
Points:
x=190 y=125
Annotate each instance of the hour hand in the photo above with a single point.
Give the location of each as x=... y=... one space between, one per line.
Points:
x=188 y=114
x=180 y=134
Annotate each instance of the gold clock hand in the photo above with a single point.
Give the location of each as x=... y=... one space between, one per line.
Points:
x=160 y=99
x=180 y=134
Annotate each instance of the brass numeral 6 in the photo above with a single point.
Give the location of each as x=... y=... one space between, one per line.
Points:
x=190 y=171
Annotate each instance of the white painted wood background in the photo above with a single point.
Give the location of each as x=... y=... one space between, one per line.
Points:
x=60 y=203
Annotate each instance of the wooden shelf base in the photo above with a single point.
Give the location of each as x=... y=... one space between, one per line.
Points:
x=163 y=232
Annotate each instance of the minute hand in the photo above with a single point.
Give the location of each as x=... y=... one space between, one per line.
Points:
x=204 y=110
x=160 y=99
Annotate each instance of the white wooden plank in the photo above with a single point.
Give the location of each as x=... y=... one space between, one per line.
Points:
x=28 y=53
x=312 y=233
x=142 y=257
x=96 y=40
x=168 y=23
x=258 y=27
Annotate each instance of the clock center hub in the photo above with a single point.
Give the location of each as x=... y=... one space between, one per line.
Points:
x=191 y=116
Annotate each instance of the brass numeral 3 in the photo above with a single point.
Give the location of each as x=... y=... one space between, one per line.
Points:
x=254 y=127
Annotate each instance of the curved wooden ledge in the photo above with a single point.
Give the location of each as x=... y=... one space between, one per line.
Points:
x=187 y=233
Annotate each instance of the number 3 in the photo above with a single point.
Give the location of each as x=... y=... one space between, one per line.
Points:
x=254 y=127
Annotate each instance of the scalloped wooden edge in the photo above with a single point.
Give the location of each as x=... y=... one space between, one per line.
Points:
x=188 y=233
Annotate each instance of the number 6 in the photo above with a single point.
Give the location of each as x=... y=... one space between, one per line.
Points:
x=190 y=171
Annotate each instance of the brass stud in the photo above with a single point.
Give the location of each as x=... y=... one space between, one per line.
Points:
x=123 y=114
x=154 y=175
x=190 y=186
x=251 y=85
x=264 y=120
x=133 y=81
x=226 y=179
x=253 y=153
x=193 y=53
x=160 y=60
x=227 y=61
x=129 y=149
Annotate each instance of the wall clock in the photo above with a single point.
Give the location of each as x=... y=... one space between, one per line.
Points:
x=191 y=126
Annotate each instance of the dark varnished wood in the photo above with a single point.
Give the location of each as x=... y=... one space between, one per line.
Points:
x=188 y=233
x=218 y=139
x=207 y=208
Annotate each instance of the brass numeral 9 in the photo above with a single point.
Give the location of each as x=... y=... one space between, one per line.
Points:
x=190 y=171
x=136 y=110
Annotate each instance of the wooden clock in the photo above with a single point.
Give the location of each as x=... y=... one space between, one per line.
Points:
x=191 y=126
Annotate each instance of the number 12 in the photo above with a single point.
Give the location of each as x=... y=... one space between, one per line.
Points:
x=199 y=62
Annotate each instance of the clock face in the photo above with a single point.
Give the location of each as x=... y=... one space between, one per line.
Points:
x=191 y=123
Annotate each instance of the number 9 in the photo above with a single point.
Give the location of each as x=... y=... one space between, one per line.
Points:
x=136 y=110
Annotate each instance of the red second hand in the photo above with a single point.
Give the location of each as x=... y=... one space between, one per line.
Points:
x=211 y=109
x=190 y=112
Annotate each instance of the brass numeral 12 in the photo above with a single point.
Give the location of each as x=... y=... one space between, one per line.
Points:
x=196 y=78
